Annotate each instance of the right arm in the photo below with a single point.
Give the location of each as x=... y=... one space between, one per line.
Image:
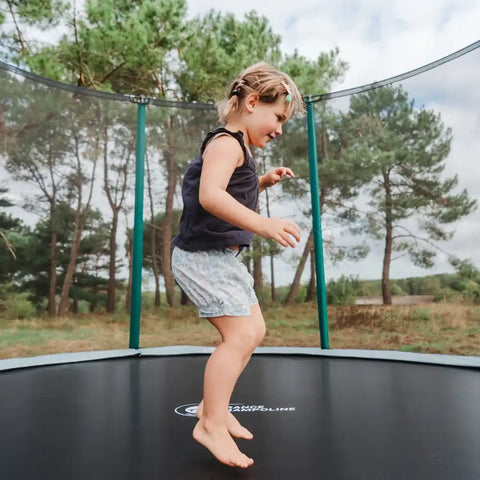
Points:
x=220 y=159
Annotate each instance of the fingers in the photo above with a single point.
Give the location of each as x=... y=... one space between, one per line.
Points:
x=284 y=232
x=293 y=230
x=288 y=234
x=288 y=172
x=284 y=171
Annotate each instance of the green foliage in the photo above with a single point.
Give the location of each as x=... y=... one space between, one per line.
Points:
x=282 y=293
x=421 y=314
x=13 y=239
x=18 y=15
x=32 y=271
x=396 y=289
x=469 y=280
x=403 y=149
x=314 y=76
x=216 y=47
x=444 y=287
x=342 y=291
x=448 y=295
x=47 y=12
x=14 y=304
x=340 y=176
x=466 y=269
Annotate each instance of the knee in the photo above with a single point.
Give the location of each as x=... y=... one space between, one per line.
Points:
x=245 y=341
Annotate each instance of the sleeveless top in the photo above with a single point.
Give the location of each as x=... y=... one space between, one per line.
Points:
x=199 y=229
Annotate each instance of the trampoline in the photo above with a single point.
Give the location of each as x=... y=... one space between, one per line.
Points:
x=316 y=414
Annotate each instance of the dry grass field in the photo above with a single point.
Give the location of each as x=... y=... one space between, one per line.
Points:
x=428 y=328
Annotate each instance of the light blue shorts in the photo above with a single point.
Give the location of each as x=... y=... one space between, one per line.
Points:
x=216 y=281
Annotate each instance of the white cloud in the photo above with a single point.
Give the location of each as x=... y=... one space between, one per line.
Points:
x=380 y=39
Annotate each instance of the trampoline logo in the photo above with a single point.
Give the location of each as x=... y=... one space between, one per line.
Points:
x=190 y=409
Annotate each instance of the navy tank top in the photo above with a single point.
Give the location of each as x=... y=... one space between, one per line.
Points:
x=199 y=229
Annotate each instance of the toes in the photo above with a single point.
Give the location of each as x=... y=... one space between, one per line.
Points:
x=243 y=463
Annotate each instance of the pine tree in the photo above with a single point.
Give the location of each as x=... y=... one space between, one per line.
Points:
x=403 y=149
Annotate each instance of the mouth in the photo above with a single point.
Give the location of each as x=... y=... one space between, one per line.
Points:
x=271 y=137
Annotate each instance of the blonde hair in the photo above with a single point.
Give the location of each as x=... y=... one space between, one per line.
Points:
x=268 y=83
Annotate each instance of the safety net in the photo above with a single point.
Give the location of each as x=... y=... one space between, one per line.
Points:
x=398 y=185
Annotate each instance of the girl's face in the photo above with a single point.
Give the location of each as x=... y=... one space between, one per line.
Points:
x=264 y=121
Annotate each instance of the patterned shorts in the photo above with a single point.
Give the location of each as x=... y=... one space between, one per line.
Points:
x=216 y=281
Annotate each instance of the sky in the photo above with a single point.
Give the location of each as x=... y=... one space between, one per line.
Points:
x=380 y=39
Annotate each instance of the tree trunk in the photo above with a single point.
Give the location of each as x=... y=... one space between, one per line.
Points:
x=93 y=304
x=312 y=290
x=3 y=131
x=386 y=292
x=292 y=294
x=52 y=291
x=156 y=275
x=115 y=205
x=184 y=299
x=62 y=308
x=112 y=267
x=167 y=221
x=81 y=213
x=387 y=256
x=75 y=305
x=153 y=238
x=309 y=247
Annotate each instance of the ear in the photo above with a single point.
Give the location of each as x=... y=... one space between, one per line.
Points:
x=251 y=101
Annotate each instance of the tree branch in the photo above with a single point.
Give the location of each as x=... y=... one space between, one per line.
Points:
x=23 y=44
x=8 y=244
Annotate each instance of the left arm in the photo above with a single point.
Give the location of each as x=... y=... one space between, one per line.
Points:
x=273 y=177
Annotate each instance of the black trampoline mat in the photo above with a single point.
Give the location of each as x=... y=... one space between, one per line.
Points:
x=313 y=418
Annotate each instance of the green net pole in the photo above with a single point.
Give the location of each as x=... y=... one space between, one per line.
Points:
x=317 y=226
x=137 y=260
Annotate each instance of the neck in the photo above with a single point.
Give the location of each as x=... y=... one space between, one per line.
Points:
x=237 y=127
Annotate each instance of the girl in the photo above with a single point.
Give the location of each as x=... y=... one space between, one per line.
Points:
x=220 y=193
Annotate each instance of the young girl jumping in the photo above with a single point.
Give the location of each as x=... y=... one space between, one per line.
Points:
x=220 y=193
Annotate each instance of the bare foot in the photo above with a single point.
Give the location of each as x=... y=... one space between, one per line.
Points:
x=221 y=445
x=233 y=425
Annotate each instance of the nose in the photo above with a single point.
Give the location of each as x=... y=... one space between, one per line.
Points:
x=278 y=130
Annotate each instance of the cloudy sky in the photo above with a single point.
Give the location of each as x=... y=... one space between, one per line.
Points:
x=377 y=38
x=380 y=39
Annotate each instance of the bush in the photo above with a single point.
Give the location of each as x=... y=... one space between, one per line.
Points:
x=396 y=290
x=282 y=293
x=448 y=295
x=342 y=291
x=17 y=305
x=472 y=294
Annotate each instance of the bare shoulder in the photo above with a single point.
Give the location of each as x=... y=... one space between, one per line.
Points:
x=224 y=147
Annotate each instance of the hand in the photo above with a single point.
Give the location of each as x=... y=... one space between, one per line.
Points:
x=274 y=176
x=280 y=230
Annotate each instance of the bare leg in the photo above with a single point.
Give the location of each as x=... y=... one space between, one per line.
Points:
x=233 y=425
x=239 y=339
